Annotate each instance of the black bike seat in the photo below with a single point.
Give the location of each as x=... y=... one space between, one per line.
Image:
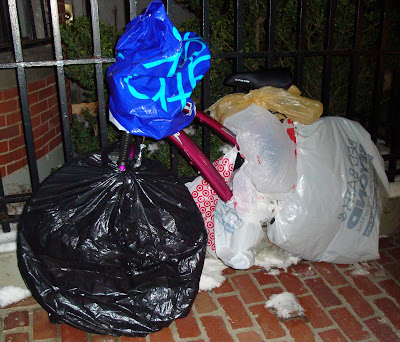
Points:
x=274 y=77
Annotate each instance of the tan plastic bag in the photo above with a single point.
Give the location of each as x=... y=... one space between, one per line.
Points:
x=288 y=102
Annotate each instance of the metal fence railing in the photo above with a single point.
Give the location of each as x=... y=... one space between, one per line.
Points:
x=380 y=53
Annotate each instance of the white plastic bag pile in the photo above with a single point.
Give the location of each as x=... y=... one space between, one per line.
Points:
x=325 y=189
x=234 y=228
x=335 y=212
x=267 y=174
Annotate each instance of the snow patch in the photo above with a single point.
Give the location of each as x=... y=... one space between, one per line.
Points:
x=359 y=270
x=8 y=247
x=225 y=148
x=12 y=294
x=394 y=189
x=189 y=130
x=8 y=241
x=275 y=257
x=211 y=275
x=152 y=148
x=274 y=272
x=285 y=305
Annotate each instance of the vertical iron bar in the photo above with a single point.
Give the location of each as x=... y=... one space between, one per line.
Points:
x=61 y=80
x=395 y=124
x=171 y=10
x=238 y=34
x=174 y=154
x=23 y=95
x=4 y=21
x=380 y=65
x=31 y=19
x=301 y=44
x=271 y=32
x=205 y=84
x=355 y=61
x=3 y=209
x=327 y=64
x=174 y=159
x=45 y=27
x=99 y=74
x=132 y=9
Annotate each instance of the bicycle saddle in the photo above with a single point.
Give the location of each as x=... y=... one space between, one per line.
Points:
x=274 y=77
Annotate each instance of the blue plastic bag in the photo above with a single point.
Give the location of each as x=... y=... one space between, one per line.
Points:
x=155 y=73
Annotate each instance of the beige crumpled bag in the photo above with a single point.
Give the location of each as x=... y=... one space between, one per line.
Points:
x=288 y=102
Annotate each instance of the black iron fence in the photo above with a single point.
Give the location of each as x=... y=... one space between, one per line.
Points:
x=269 y=55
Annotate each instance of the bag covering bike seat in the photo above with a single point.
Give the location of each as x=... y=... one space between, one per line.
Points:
x=112 y=252
x=155 y=73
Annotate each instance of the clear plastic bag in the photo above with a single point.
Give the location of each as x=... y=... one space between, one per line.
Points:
x=268 y=150
x=251 y=205
x=288 y=102
x=235 y=239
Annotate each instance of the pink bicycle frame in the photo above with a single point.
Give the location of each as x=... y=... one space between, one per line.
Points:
x=199 y=160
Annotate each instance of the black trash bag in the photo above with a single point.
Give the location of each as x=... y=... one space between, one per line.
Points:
x=112 y=252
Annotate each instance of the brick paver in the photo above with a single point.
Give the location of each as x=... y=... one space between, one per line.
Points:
x=314 y=312
x=247 y=289
x=292 y=283
x=235 y=311
x=323 y=293
x=70 y=334
x=216 y=329
x=349 y=324
x=17 y=337
x=390 y=286
x=299 y=330
x=339 y=305
x=164 y=335
x=390 y=310
x=42 y=328
x=267 y=321
x=16 y=319
x=357 y=302
x=188 y=326
x=330 y=273
x=333 y=335
x=381 y=330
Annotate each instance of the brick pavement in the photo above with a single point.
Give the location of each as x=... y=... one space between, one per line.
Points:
x=339 y=305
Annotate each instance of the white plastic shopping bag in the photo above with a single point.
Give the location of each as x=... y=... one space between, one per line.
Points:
x=334 y=214
x=235 y=239
x=270 y=153
x=250 y=204
x=205 y=196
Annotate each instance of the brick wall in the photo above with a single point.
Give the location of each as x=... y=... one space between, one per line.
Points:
x=45 y=118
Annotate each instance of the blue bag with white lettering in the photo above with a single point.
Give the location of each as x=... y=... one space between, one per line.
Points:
x=335 y=211
x=155 y=73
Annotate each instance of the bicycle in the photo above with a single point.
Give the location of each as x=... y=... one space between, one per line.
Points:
x=273 y=77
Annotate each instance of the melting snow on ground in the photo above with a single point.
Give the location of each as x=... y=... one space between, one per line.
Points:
x=272 y=257
x=359 y=269
x=12 y=294
x=211 y=276
x=7 y=241
x=285 y=305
